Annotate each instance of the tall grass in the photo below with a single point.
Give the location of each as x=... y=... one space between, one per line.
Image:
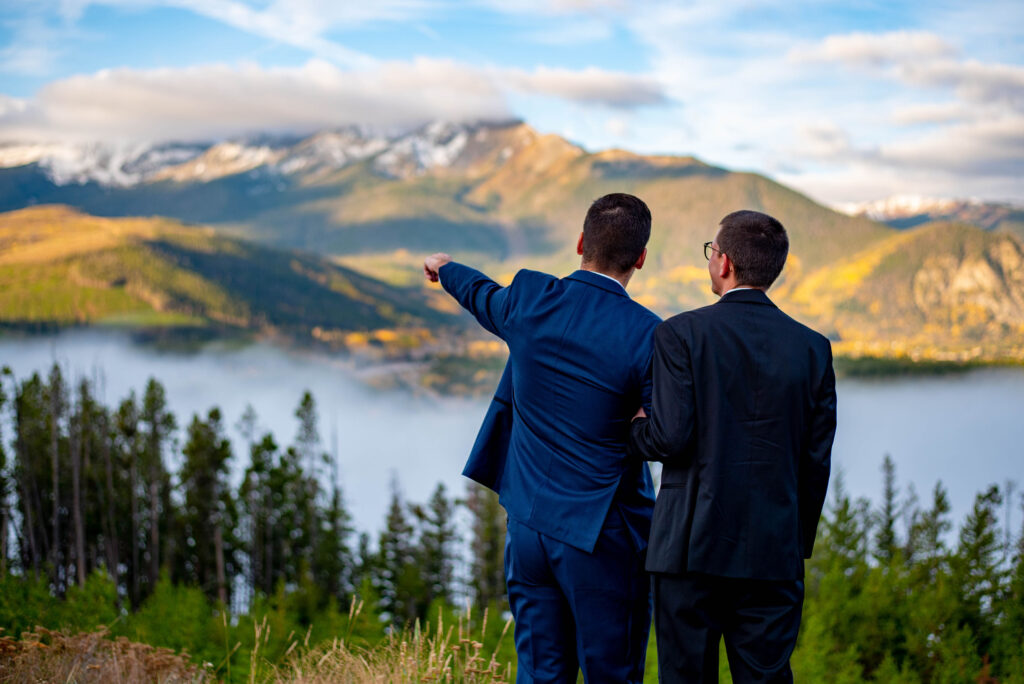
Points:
x=423 y=654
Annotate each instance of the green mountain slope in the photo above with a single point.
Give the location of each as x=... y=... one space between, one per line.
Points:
x=63 y=267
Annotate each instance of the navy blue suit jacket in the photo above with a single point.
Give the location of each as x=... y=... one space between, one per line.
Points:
x=553 y=442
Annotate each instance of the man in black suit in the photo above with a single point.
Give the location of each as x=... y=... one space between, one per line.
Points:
x=743 y=417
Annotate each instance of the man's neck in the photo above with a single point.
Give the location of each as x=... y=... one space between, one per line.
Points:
x=622 y=279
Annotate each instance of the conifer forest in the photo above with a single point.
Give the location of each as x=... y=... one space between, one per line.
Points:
x=242 y=553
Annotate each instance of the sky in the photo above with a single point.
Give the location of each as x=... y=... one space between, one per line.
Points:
x=845 y=101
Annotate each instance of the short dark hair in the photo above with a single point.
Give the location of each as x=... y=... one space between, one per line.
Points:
x=616 y=231
x=756 y=244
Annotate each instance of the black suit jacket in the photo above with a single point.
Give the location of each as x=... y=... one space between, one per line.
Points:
x=744 y=414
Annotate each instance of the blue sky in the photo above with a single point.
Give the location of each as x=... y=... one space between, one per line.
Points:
x=846 y=101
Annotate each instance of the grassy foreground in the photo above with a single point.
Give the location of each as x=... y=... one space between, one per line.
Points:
x=452 y=653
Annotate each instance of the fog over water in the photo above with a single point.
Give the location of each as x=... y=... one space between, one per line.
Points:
x=966 y=429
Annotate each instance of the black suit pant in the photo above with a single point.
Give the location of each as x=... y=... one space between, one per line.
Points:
x=759 y=620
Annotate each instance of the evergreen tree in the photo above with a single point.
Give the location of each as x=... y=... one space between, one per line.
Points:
x=435 y=555
x=30 y=472
x=397 y=581
x=487 y=546
x=885 y=518
x=333 y=564
x=208 y=509
x=978 y=572
x=931 y=614
x=256 y=502
x=157 y=423
x=128 y=447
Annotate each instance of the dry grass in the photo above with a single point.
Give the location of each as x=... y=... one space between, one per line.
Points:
x=442 y=655
x=454 y=655
x=48 y=656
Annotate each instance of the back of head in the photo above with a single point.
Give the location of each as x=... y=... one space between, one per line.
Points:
x=615 y=232
x=756 y=244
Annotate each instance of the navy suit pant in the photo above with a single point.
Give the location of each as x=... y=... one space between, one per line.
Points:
x=576 y=610
x=759 y=620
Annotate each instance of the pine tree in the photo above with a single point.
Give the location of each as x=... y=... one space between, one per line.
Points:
x=57 y=395
x=435 y=555
x=208 y=508
x=885 y=518
x=930 y=614
x=978 y=571
x=157 y=424
x=128 y=447
x=487 y=546
x=333 y=557
x=257 y=514
x=396 y=579
x=31 y=417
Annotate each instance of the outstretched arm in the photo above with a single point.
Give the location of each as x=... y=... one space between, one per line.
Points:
x=666 y=433
x=478 y=294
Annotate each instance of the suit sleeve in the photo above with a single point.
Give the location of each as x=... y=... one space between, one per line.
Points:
x=815 y=462
x=665 y=435
x=479 y=295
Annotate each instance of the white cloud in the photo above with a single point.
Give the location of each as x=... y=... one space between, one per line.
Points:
x=991 y=147
x=972 y=80
x=589 y=86
x=216 y=101
x=550 y=7
x=617 y=127
x=874 y=49
x=933 y=113
x=921 y=59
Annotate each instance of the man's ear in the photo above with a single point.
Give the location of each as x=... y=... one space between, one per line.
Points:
x=579 y=245
x=640 y=262
x=726 y=267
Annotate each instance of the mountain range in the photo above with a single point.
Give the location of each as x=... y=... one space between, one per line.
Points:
x=907 y=211
x=504 y=196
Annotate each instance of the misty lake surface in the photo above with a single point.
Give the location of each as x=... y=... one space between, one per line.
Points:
x=966 y=430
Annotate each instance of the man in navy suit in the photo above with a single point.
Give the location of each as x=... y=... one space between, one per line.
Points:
x=553 y=446
x=744 y=417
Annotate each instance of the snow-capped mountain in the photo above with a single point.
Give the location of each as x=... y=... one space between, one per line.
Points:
x=107 y=164
x=436 y=145
x=906 y=211
x=902 y=206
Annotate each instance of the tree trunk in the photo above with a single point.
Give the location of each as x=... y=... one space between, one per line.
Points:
x=154 y=527
x=134 y=481
x=55 y=548
x=3 y=539
x=110 y=531
x=218 y=545
x=77 y=445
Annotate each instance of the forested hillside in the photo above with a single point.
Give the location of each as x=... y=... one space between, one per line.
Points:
x=118 y=523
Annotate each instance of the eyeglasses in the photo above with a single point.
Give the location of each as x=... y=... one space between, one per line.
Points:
x=707 y=246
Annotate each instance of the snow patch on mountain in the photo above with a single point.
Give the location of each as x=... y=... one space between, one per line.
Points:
x=436 y=145
x=397 y=154
x=902 y=206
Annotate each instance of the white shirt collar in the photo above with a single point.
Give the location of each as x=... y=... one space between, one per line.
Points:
x=605 y=275
x=740 y=287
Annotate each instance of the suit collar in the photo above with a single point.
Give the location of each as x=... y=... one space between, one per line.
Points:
x=745 y=297
x=598 y=280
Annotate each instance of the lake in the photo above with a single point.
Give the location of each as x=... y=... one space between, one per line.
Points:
x=964 y=429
